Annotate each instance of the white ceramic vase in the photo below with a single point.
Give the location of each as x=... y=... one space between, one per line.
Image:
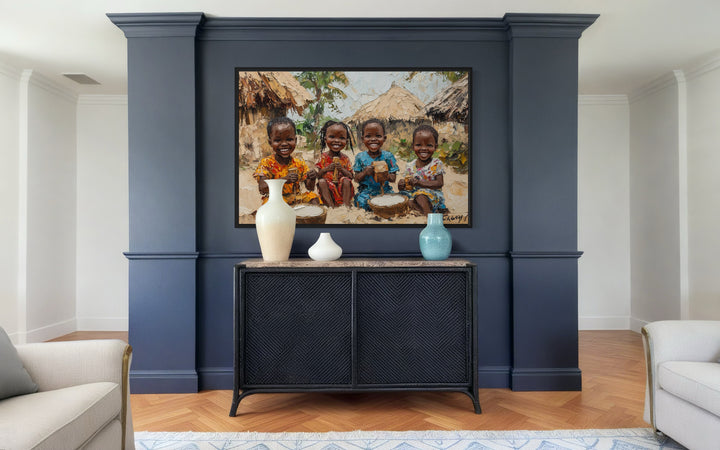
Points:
x=275 y=224
x=325 y=249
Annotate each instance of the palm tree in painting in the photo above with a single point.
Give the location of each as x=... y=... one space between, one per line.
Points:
x=324 y=86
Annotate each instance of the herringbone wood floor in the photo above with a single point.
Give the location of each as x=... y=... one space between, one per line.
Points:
x=612 y=365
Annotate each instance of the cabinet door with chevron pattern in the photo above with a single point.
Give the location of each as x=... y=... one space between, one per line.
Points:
x=297 y=328
x=413 y=327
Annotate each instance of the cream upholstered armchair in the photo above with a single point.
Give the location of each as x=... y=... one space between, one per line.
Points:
x=82 y=397
x=682 y=397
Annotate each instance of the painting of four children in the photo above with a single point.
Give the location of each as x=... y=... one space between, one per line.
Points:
x=334 y=177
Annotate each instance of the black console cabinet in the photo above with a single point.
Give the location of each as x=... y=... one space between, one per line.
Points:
x=355 y=325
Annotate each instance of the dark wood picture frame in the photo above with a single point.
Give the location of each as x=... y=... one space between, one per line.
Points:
x=401 y=99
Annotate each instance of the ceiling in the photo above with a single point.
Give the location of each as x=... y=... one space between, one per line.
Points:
x=631 y=43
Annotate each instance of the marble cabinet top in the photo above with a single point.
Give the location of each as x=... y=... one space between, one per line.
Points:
x=355 y=262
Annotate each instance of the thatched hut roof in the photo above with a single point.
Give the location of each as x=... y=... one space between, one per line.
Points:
x=450 y=104
x=272 y=90
x=397 y=104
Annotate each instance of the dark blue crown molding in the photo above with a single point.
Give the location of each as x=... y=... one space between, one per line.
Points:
x=382 y=29
x=378 y=29
x=158 y=24
x=547 y=25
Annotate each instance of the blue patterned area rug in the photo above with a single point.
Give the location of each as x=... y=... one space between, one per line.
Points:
x=612 y=439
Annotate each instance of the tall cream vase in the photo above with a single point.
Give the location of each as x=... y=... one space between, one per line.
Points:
x=275 y=224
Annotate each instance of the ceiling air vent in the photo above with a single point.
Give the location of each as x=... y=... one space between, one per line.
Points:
x=80 y=78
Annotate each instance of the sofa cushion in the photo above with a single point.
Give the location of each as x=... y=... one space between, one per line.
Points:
x=14 y=379
x=59 y=419
x=695 y=382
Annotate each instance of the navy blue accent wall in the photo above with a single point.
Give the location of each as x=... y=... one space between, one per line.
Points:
x=183 y=242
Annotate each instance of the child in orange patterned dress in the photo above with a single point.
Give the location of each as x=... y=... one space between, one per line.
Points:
x=334 y=168
x=282 y=139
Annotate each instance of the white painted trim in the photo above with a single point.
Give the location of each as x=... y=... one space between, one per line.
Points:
x=50 y=86
x=707 y=65
x=10 y=71
x=620 y=100
x=637 y=324
x=22 y=237
x=604 y=323
x=86 y=99
x=51 y=331
x=652 y=87
x=683 y=194
x=102 y=324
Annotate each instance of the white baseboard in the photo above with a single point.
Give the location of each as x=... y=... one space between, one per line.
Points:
x=637 y=324
x=102 y=324
x=50 y=331
x=604 y=323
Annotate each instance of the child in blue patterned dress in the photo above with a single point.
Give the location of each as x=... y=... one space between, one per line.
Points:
x=369 y=181
x=423 y=180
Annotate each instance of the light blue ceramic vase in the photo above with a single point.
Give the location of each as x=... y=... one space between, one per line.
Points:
x=435 y=239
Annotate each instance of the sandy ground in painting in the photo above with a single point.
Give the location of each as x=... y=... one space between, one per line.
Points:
x=455 y=190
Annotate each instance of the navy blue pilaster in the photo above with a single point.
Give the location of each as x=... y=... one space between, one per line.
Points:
x=543 y=144
x=162 y=154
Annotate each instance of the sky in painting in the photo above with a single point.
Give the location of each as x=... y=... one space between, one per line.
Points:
x=365 y=86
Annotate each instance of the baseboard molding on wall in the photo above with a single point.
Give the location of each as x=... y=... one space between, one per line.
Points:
x=494 y=377
x=102 y=324
x=163 y=381
x=637 y=324
x=51 y=331
x=215 y=378
x=550 y=379
x=604 y=323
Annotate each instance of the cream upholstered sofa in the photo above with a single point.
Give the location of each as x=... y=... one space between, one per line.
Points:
x=82 y=398
x=682 y=398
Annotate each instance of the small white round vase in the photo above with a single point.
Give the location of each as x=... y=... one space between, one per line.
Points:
x=325 y=249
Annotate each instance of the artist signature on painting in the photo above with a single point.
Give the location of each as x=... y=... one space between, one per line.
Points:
x=455 y=218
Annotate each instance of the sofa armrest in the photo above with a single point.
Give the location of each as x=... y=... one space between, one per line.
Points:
x=56 y=365
x=676 y=340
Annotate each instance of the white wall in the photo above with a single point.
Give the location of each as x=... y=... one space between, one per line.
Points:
x=102 y=213
x=703 y=97
x=603 y=212
x=64 y=200
x=655 y=203
x=9 y=132
x=50 y=176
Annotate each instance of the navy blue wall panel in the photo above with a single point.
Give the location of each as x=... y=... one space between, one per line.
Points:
x=523 y=179
x=545 y=315
x=162 y=144
x=162 y=325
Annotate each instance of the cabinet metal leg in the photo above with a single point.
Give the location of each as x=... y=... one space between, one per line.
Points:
x=475 y=400
x=236 y=401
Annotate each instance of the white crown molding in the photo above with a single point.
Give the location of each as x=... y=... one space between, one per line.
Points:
x=9 y=71
x=616 y=100
x=40 y=81
x=658 y=84
x=88 y=99
x=707 y=65
x=677 y=76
